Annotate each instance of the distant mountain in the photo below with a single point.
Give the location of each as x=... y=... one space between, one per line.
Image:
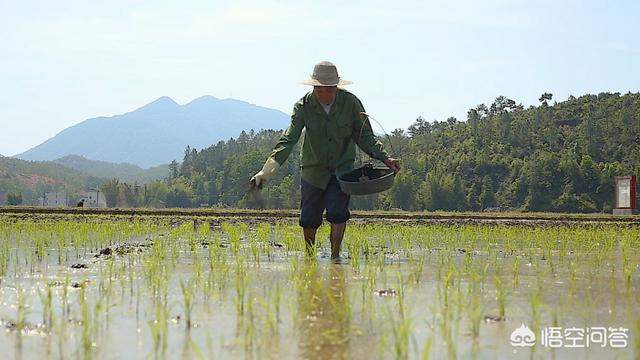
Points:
x=125 y=172
x=158 y=133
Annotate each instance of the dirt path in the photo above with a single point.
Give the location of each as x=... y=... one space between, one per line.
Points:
x=247 y=215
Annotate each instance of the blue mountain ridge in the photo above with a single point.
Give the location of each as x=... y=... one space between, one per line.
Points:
x=158 y=132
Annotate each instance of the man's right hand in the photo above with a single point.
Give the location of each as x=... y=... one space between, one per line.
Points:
x=258 y=180
x=393 y=164
x=269 y=169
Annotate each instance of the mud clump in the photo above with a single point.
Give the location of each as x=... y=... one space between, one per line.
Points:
x=26 y=328
x=386 y=292
x=494 y=318
x=126 y=249
x=123 y=249
x=78 y=285
x=105 y=252
x=207 y=243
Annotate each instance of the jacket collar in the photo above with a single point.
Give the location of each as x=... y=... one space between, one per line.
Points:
x=319 y=109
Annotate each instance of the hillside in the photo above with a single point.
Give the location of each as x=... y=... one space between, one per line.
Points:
x=33 y=178
x=123 y=171
x=552 y=157
x=157 y=133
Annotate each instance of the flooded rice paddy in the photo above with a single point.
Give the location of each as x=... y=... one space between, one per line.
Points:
x=112 y=289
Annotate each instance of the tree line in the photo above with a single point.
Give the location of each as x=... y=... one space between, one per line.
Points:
x=552 y=157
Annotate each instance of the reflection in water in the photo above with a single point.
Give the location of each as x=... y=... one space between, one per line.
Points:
x=324 y=313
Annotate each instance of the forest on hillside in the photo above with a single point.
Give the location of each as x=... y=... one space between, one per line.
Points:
x=23 y=182
x=553 y=157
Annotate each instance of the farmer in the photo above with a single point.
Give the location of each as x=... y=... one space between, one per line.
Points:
x=334 y=120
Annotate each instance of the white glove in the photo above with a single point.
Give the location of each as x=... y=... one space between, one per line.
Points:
x=269 y=169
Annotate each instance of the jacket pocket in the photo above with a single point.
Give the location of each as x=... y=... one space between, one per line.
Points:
x=344 y=127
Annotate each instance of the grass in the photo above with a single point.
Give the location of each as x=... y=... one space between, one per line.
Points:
x=252 y=285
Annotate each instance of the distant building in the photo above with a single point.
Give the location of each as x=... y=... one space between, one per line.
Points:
x=93 y=199
x=625 y=195
x=53 y=199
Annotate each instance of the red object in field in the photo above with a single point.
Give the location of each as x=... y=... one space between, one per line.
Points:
x=626 y=192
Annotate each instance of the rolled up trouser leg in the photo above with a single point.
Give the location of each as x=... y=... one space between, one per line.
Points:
x=315 y=200
x=336 y=202
x=311 y=205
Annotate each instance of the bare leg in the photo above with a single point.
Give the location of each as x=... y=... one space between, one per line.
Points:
x=337 y=233
x=310 y=240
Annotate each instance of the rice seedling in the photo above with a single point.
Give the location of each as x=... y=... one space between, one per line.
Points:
x=426 y=348
x=46 y=296
x=474 y=305
x=22 y=308
x=501 y=296
x=276 y=301
x=627 y=265
x=86 y=317
x=241 y=284
x=401 y=331
x=252 y=279
x=187 y=300
x=264 y=235
x=158 y=327
x=4 y=258
x=516 y=271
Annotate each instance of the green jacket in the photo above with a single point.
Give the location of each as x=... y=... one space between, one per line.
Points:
x=329 y=139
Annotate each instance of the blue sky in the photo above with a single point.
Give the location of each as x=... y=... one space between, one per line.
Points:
x=63 y=62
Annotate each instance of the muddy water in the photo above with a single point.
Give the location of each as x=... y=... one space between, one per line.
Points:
x=247 y=303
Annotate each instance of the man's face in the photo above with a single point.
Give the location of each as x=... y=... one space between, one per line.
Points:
x=325 y=94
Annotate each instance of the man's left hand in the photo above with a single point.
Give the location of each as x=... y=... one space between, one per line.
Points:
x=393 y=164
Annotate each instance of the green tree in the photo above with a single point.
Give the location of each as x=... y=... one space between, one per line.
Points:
x=179 y=194
x=403 y=192
x=283 y=195
x=487 y=195
x=131 y=194
x=111 y=190
x=553 y=157
x=544 y=97
x=156 y=193
x=14 y=198
x=174 y=170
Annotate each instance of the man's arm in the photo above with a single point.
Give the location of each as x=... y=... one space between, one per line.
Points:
x=367 y=141
x=281 y=152
x=364 y=137
x=289 y=137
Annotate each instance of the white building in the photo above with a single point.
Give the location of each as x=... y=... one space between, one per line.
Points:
x=55 y=198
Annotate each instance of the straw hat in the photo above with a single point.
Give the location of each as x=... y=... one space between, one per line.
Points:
x=325 y=74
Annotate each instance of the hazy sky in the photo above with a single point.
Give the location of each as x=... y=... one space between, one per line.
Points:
x=62 y=62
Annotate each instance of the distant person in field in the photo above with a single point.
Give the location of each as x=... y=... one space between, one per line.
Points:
x=335 y=121
x=80 y=203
